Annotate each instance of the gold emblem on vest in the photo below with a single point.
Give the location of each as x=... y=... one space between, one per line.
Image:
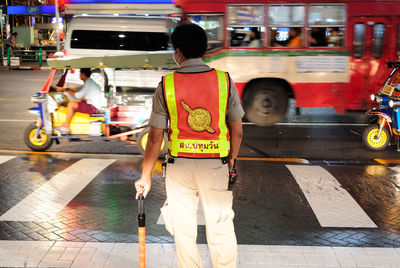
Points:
x=199 y=119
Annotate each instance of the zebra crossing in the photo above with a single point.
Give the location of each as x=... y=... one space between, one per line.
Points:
x=330 y=202
x=315 y=219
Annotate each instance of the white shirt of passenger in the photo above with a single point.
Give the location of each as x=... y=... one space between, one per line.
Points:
x=92 y=93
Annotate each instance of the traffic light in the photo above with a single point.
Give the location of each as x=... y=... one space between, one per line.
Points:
x=61 y=6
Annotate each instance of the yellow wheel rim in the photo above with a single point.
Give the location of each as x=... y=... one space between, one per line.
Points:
x=143 y=142
x=37 y=141
x=375 y=142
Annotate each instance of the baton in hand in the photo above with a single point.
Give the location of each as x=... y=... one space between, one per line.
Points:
x=233 y=175
x=141 y=218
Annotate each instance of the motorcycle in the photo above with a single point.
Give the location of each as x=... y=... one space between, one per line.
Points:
x=379 y=136
x=115 y=121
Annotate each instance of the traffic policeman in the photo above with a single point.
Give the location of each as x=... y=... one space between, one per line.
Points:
x=201 y=108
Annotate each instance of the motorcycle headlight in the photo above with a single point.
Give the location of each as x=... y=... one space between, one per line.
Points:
x=391 y=103
x=373 y=97
x=33 y=111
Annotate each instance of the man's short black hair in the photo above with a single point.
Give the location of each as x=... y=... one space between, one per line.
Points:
x=86 y=71
x=191 y=40
x=14 y=33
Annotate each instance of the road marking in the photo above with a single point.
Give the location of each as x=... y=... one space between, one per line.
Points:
x=332 y=205
x=34 y=79
x=94 y=254
x=5 y=158
x=17 y=120
x=310 y=124
x=71 y=154
x=387 y=161
x=295 y=160
x=47 y=201
x=14 y=99
x=396 y=169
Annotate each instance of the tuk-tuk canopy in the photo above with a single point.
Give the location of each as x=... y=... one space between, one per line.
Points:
x=156 y=59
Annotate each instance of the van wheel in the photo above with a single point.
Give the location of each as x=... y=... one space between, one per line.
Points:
x=142 y=141
x=35 y=142
x=266 y=103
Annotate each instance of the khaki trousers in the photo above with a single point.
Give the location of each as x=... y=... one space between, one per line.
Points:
x=187 y=181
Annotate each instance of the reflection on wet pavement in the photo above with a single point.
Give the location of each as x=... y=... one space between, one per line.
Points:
x=272 y=206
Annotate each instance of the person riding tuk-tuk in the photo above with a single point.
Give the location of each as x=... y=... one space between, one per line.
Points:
x=62 y=116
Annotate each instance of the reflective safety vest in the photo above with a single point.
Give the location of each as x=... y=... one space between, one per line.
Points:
x=197 y=104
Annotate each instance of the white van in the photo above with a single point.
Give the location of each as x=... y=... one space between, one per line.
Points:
x=99 y=35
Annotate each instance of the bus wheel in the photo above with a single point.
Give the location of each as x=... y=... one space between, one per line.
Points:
x=142 y=141
x=266 y=103
x=35 y=142
x=372 y=142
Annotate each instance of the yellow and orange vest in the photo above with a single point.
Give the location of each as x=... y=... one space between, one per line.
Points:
x=197 y=104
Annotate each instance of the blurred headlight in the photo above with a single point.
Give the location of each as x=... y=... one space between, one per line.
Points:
x=391 y=103
x=373 y=97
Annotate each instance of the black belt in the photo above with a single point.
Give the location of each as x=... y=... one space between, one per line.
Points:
x=171 y=160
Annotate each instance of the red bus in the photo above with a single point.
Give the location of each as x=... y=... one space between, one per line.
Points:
x=321 y=53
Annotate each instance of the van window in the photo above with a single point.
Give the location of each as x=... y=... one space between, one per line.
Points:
x=116 y=40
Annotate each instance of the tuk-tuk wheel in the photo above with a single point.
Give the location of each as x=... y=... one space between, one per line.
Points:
x=37 y=141
x=372 y=142
x=142 y=141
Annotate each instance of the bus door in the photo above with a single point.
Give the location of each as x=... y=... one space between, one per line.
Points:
x=369 y=42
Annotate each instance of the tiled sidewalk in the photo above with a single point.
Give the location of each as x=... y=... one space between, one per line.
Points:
x=89 y=254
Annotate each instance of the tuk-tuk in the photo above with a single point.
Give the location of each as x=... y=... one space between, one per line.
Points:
x=115 y=120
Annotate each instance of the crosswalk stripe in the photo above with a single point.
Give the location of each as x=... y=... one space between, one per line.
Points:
x=5 y=158
x=332 y=205
x=47 y=201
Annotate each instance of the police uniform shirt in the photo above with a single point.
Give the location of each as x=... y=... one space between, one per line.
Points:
x=159 y=116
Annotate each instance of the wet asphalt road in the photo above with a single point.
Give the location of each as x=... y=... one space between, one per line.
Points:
x=312 y=135
x=273 y=199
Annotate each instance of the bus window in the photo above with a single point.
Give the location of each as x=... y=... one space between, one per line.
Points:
x=286 y=24
x=213 y=24
x=398 y=40
x=245 y=25
x=377 y=47
x=359 y=39
x=327 y=25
